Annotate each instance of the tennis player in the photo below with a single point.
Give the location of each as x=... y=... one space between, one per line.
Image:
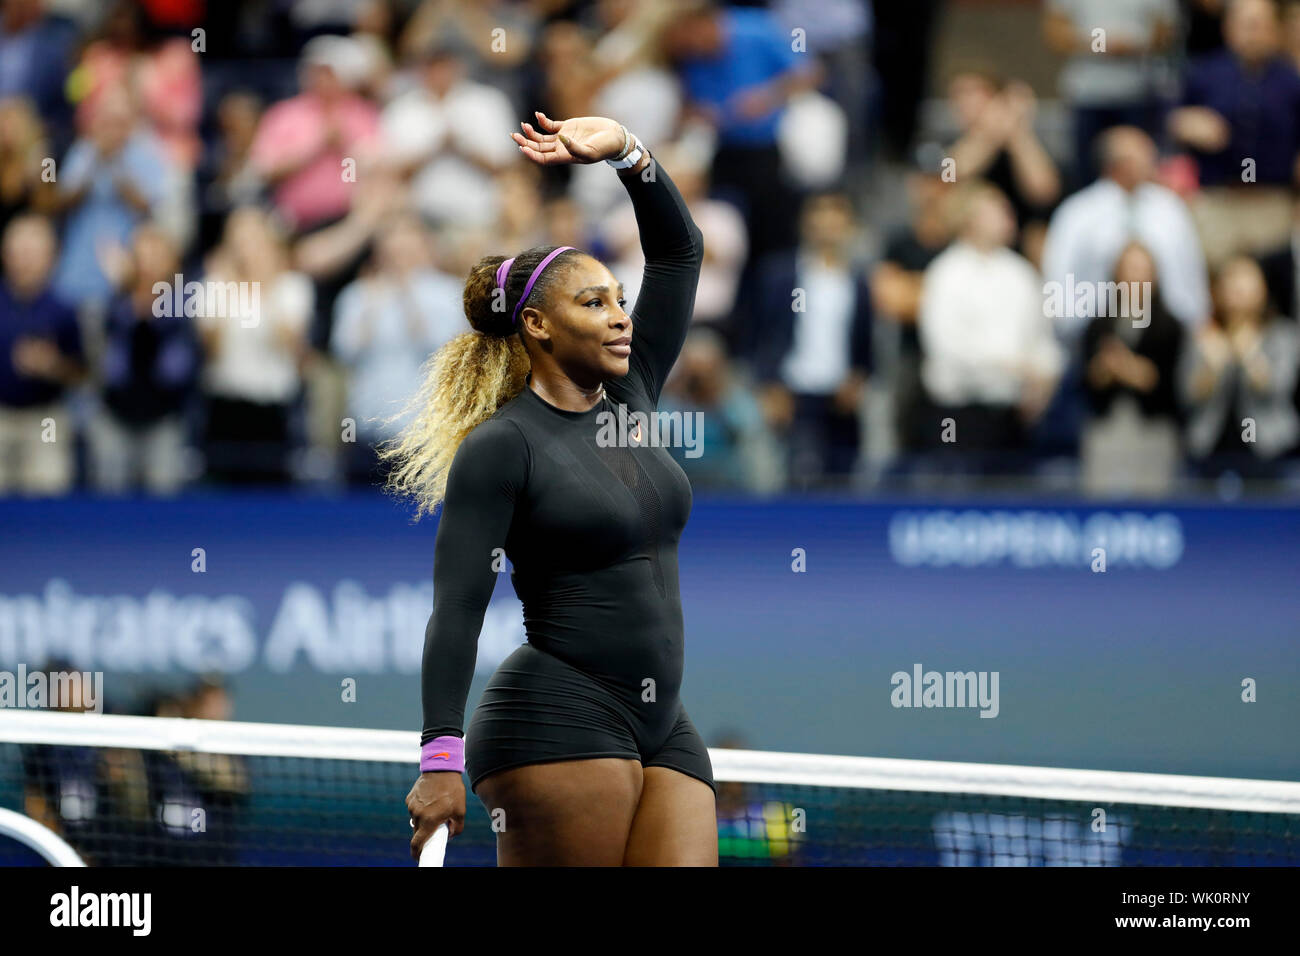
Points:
x=580 y=748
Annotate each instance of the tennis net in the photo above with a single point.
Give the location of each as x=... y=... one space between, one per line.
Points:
x=149 y=791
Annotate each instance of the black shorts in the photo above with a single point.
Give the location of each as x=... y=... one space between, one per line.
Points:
x=537 y=708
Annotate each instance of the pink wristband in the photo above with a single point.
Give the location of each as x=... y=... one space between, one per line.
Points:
x=443 y=753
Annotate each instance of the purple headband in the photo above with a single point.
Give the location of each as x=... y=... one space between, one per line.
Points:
x=503 y=270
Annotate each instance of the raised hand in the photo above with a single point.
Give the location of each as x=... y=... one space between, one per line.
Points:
x=580 y=140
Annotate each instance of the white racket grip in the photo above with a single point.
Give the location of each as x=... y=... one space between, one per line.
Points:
x=435 y=847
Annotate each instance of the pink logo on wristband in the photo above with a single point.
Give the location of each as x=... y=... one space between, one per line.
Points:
x=443 y=753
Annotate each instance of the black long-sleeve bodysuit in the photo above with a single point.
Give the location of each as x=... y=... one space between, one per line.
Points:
x=592 y=535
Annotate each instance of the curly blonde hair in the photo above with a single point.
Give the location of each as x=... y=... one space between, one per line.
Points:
x=466 y=380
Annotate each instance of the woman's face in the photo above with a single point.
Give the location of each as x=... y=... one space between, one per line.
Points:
x=29 y=251
x=154 y=256
x=992 y=220
x=584 y=327
x=969 y=95
x=563 y=43
x=14 y=124
x=238 y=117
x=1241 y=287
x=246 y=232
x=252 y=242
x=403 y=247
x=1135 y=265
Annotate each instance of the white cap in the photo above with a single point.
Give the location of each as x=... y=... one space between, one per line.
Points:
x=343 y=55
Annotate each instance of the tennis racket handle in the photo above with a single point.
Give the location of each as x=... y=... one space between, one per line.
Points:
x=435 y=847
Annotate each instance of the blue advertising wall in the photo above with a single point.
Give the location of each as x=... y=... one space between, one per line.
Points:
x=798 y=613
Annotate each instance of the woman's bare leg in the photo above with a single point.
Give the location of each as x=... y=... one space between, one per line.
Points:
x=564 y=813
x=676 y=822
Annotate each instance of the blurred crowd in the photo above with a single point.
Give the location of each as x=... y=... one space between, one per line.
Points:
x=126 y=807
x=888 y=291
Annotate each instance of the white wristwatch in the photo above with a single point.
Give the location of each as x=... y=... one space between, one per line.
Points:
x=632 y=156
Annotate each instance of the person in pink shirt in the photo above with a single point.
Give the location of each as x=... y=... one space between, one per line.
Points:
x=304 y=144
x=162 y=73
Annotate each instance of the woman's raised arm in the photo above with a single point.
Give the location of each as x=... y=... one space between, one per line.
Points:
x=670 y=239
x=674 y=252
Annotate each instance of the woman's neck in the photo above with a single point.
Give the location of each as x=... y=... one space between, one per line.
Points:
x=564 y=393
x=1239 y=318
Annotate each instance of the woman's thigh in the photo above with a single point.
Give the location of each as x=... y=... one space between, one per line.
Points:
x=676 y=822
x=563 y=813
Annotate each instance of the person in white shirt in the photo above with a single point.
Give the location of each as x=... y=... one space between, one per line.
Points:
x=253 y=326
x=990 y=358
x=1091 y=228
x=453 y=136
x=386 y=323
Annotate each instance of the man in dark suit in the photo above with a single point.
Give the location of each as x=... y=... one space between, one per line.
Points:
x=813 y=311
